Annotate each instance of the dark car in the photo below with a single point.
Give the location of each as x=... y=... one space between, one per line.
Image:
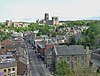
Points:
x=35 y=52
x=41 y=74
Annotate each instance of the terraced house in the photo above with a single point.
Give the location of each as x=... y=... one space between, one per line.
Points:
x=8 y=67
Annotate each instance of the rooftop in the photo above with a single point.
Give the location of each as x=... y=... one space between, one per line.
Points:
x=95 y=62
x=97 y=51
x=41 y=45
x=70 y=50
x=8 y=64
x=7 y=42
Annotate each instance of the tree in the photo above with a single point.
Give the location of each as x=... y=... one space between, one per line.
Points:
x=72 y=40
x=97 y=40
x=85 y=71
x=4 y=36
x=2 y=26
x=54 y=34
x=92 y=34
x=63 y=69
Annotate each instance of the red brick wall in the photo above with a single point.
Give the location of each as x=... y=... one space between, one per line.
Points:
x=43 y=50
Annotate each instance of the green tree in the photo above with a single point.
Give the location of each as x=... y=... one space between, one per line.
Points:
x=54 y=34
x=4 y=35
x=72 y=40
x=63 y=69
x=97 y=40
x=92 y=34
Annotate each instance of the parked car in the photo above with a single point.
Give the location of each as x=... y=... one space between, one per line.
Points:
x=35 y=52
x=41 y=74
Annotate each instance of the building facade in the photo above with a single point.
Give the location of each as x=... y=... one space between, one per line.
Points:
x=75 y=55
x=8 y=22
x=54 y=21
x=46 y=17
x=8 y=69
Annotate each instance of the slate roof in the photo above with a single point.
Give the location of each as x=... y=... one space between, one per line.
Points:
x=70 y=50
x=97 y=51
x=6 y=55
x=49 y=52
x=77 y=49
x=95 y=56
x=53 y=41
x=61 y=50
x=8 y=64
x=95 y=62
x=61 y=37
x=42 y=44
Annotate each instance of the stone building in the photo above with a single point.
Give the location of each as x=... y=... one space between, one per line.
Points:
x=8 y=65
x=75 y=55
x=8 y=22
x=95 y=60
x=54 y=21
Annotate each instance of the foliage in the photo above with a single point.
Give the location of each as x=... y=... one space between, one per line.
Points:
x=63 y=69
x=54 y=34
x=72 y=40
x=78 y=23
x=4 y=35
x=91 y=35
x=97 y=40
x=85 y=71
x=43 y=29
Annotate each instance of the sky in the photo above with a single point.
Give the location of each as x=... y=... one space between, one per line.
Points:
x=30 y=10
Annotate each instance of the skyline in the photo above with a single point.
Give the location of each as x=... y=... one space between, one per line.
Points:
x=30 y=10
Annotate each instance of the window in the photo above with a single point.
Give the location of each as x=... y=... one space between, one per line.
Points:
x=82 y=58
x=4 y=70
x=75 y=58
x=9 y=70
x=9 y=74
x=13 y=74
x=68 y=58
x=13 y=69
x=60 y=57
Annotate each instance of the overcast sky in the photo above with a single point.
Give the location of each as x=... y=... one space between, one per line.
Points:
x=35 y=9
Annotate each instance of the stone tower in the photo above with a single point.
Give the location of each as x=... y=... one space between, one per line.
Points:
x=55 y=21
x=46 y=17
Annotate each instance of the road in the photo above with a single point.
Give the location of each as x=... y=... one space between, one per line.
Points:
x=35 y=63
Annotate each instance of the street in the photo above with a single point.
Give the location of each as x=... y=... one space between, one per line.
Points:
x=36 y=67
